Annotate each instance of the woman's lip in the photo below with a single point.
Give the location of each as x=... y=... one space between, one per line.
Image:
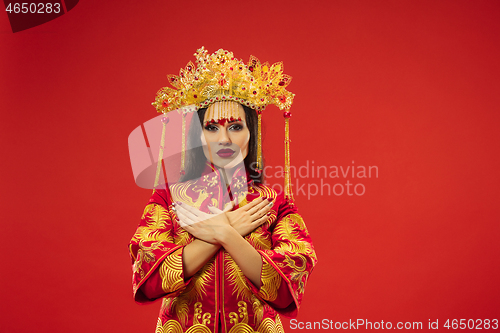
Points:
x=225 y=152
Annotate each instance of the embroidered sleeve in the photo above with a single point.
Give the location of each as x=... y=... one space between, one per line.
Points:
x=287 y=265
x=156 y=259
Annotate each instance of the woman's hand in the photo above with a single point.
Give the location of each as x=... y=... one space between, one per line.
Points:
x=247 y=218
x=207 y=227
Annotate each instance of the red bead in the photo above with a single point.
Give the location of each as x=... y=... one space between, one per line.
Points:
x=254 y=92
x=287 y=114
x=165 y=120
x=164 y=103
x=183 y=172
x=282 y=83
x=195 y=96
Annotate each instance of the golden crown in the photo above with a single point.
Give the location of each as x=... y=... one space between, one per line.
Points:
x=222 y=77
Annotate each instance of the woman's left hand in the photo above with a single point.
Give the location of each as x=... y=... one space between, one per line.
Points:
x=210 y=228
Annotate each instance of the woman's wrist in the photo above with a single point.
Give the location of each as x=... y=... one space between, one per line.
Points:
x=225 y=234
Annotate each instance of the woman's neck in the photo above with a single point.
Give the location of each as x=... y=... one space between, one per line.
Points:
x=227 y=173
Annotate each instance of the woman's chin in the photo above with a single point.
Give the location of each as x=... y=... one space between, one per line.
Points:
x=226 y=162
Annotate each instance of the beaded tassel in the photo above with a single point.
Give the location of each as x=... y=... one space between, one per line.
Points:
x=223 y=111
x=288 y=187
x=164 y=120
x=183 y=149
x=259 y=142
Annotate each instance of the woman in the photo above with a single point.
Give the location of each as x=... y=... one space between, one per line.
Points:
x=226 y=253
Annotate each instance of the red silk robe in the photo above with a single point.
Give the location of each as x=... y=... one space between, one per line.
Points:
x=219 y=297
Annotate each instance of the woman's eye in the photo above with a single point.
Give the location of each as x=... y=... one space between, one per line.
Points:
x=236 y=127
x=211 y=128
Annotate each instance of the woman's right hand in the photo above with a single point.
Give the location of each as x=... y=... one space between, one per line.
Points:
x=249 y=217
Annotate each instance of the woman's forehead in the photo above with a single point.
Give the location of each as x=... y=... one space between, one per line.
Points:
x=225 y=110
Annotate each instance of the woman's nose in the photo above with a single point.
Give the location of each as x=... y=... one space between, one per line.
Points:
x=224 y=137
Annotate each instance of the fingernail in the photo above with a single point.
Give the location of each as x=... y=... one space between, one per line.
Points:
x=210 y=205
x=269 y=199
x=264 y=198
x=268 y=214
x=179 y=203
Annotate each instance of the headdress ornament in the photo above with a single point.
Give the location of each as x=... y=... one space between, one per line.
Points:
x=221 y=77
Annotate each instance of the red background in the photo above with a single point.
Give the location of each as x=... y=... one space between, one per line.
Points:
x=410 y=87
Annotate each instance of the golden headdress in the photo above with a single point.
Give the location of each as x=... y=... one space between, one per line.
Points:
x=221 y=77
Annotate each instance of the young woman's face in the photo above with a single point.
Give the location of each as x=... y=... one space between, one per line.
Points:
x=226 y=145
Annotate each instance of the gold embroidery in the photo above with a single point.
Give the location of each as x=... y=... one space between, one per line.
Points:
x=173 y=326
x=198 y=315
x=157 y=225
x=268 y=325
x=287 y=231
x=194 y=292
x=260 y=239
x=258 y=310
x=299 y=273
x=236 y=278
x=211 y=181
x=179 y=193
x=242 y=309
x=182 y=237
x=171 y=272
x=271 y=281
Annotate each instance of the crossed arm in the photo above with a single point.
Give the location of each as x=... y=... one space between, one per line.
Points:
x=227 y=229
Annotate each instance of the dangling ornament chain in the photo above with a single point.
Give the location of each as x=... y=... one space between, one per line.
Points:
x=259 y=143
x=288 y=186
x=183 y=151
x=164 y=120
